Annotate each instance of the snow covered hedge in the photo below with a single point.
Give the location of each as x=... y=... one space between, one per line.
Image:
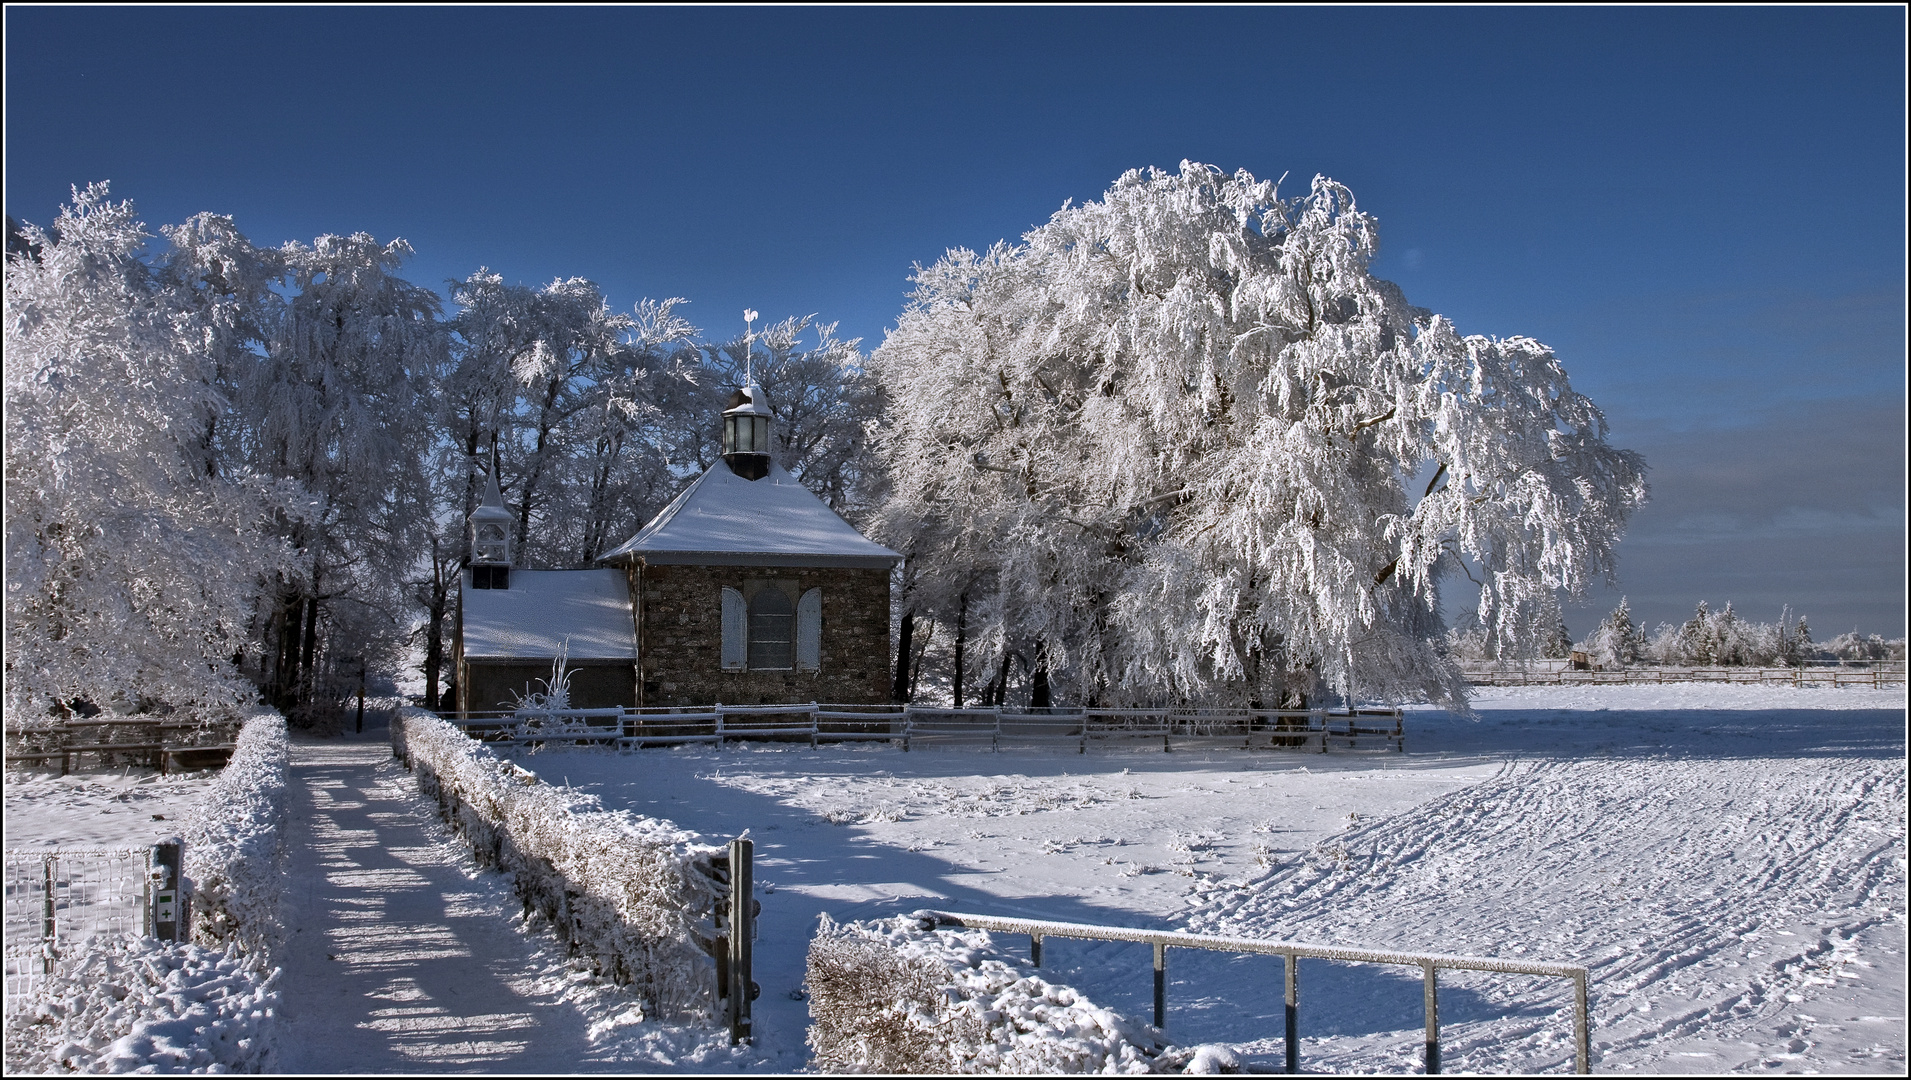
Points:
x=235 y=850
x=889 y=996
x=617 y=887
x=140 y=1005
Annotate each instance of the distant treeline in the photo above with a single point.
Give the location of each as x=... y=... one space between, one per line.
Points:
x=1708 y=638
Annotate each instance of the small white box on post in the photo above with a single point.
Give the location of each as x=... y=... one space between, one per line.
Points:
x=171 y=917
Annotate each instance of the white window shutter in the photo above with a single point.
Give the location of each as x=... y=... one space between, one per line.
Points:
x=736 y=621
x=809 y=631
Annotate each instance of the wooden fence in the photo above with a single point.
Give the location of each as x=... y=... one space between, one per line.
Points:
x=1876 y=675
x=1316 y=730
x=151 y=740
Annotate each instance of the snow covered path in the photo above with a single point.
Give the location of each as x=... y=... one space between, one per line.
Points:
x=404 y=957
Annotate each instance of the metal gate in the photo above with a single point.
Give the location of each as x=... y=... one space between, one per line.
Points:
x=58 y=900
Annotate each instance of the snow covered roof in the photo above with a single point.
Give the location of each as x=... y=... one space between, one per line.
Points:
x=721 y=519
x=749 y=400
x=491 y=508
x=543 y=607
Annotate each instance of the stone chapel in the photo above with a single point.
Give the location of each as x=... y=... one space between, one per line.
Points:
x=747 y=589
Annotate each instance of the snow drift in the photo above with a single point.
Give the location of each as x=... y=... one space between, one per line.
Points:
x=621 y=888
x=142 y=1005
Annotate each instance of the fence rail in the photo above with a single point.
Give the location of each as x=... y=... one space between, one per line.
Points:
x=1879 y=675
x=1316 y=730
x=1292 y=953
x=58 y=899
x=150 y=741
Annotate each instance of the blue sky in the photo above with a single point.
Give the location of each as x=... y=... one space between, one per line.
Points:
x=1701 y=210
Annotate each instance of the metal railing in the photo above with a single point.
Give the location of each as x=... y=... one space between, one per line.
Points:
x=1292 y=953
x=1315 y=730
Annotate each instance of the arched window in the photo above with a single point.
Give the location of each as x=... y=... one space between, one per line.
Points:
x=772 y=630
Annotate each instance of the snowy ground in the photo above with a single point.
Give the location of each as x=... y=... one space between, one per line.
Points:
x=120 y=808
x=1729 y=860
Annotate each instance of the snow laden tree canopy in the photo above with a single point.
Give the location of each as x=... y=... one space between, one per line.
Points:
x=132 y=567
x=1181 y=445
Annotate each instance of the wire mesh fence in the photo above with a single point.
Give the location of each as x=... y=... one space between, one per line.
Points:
x=60 y=899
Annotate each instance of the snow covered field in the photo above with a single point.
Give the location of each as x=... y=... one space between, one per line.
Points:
x=1730 y=861
x=118 y=809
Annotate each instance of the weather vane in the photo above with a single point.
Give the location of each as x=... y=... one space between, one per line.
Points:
x=749 y=335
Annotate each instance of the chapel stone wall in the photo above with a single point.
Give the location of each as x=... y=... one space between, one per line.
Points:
x=680 y=636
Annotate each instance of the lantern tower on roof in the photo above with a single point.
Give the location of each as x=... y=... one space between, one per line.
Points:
x=746 y=432
x=491 y=538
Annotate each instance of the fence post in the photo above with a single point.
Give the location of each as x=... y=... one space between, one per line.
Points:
x=1161 y=985
x=1433 y=1020
x=816 y=724
x=50 y=930
x=742 y=929
x=169 y=894
x=1293 y=1013
x=1582 y=1037
x=1035 y=950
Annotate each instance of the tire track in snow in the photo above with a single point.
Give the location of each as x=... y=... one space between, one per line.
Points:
x=1708 y=898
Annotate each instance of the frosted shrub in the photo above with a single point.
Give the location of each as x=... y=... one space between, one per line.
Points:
x=617 y=887
x=889 y=996
x=876 y=1010
x=1856 y=646
x=236 y=848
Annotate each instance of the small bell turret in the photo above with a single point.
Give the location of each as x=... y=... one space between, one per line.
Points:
x=491 y=539
x=746 y=433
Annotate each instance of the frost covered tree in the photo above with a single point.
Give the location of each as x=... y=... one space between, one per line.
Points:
x=581 y=406
x=1723 y=637
x=1557 y=644
x=1180 y=444
x=1857 y=646
x=580 y=402
x=1616 y=643
x=134 y=559
x=333 y=405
